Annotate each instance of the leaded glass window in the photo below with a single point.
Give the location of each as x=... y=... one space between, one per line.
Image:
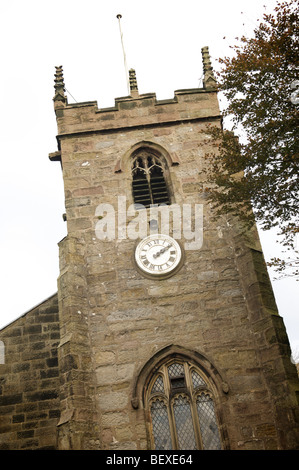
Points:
x=207 y=422
x=184 y=423
x=158 y=385
x=160 y=425
x=182 y=408
x=197 y=380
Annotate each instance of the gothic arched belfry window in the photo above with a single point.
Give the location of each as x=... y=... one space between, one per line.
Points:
x=149 y=184
x=181 y=407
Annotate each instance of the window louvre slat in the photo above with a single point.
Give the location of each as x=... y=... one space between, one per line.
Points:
x=149 y=185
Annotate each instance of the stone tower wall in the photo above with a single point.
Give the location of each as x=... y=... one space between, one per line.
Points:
x=76 y=368
x=115 y=322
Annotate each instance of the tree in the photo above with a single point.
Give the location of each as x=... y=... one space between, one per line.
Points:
x=261 y=85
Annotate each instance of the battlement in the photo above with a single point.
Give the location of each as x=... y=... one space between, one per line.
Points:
x=136 y=110
x=131 y=112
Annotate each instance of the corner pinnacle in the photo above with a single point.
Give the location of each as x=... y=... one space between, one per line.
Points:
x=59 y=86
x=209 y=81
x=133 y=82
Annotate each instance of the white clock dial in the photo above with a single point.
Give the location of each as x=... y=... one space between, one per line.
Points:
x=158 y=255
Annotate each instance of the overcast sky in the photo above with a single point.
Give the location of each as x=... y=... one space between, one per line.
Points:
x=163 y=41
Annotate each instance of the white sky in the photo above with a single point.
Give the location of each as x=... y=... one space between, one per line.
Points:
x=163 y=41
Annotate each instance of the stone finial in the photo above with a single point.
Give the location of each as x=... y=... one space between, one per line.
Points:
x=133 y=82
x=209 y=80
x=59 y=86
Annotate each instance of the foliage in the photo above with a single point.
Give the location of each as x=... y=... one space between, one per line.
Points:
x=260 y=83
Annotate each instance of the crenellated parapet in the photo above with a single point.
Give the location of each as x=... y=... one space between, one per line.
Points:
x=137 y=110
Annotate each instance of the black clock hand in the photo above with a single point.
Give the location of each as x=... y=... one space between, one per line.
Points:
x=162 y=251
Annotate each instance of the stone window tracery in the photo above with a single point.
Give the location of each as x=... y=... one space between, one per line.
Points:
x=181 y=409
x=148 y=174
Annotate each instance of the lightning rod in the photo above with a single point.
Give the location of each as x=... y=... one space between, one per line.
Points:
x=124 y=53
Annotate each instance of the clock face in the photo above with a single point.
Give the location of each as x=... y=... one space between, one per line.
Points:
x=158 y=255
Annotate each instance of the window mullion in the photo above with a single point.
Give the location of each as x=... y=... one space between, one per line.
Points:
x=148 y=177
x=171 y=418
x=173 y=430
x=196 y=426
x=149 y=187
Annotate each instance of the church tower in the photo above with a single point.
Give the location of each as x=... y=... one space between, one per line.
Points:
x=169 y=332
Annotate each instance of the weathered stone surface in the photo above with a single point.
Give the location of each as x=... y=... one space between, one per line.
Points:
x=203 y=306
x=30 y=380
x=114 y=322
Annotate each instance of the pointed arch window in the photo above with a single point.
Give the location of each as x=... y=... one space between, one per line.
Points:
x=149 y=179
x=181 y=407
